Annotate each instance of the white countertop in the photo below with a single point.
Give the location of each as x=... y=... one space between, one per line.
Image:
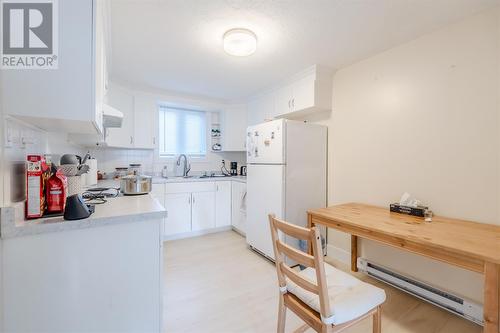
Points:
x=123 y=209
x=160 y=180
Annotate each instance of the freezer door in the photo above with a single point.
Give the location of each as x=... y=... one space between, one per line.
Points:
x=265 y=195
x=266 y=143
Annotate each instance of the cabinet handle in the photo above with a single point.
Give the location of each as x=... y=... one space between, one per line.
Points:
x=154 y=140
x=189 y=199
x=193 y=199
x=131 y=139
x=289 y=101
x=217 y=187
x=293 y=103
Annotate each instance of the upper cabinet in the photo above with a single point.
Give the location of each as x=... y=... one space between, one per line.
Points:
x=306 y=92
x=65 y=99
x=233 y=128
x=145 y=112
x=139 y=115
x=122 y=137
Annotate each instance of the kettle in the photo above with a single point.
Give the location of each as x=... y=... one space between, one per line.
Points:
x=243 y=171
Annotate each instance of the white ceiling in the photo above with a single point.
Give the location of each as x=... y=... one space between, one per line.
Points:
x=176 y=45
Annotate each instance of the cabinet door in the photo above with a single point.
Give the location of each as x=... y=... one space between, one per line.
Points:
x=234 y=125
x=303 y=93
x=122 y=137
x=178 y=207
x=222 y=204
x=203 y=210
x=100 y=63
x=59 y=100
x=283 y=101
x=144 y=120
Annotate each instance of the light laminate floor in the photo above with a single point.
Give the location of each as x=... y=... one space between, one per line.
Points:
x=214 y=283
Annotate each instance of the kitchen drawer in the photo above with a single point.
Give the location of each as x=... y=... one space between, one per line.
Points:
x=189 y=187
x=158 y=190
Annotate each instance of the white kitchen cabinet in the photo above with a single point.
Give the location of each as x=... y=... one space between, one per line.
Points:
x=283 y=100
x=178 y=206
x=306 y=92
x=63 y=99
x=202 y=211
x=222 y=204
x=234 y=125
x=101 y=62
x=98 y=279
x=310 y=91
x=195 y=207
x=138 y=127
x=261 y=109
x=144 y=120
x=122 y=137
x=238 y=203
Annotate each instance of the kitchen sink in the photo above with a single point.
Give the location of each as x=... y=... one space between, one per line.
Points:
x=213 y=176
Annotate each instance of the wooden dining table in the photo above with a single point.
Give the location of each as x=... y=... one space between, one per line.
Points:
x=466 y=244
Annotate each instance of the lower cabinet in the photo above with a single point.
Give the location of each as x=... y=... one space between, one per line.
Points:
x=223 y=204
x=202 y=211
x=194 y=206
x=178 y=206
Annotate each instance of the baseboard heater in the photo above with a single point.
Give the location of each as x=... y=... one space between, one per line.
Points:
x=452 y=303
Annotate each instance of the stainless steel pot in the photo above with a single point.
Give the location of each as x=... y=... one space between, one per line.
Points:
x=135 y=184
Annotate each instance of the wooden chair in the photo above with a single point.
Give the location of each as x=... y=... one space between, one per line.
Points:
x=306 y=292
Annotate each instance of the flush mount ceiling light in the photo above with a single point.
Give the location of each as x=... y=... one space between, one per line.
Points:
x=240 y=42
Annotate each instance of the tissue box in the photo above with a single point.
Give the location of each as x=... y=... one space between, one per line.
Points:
x=415 y=211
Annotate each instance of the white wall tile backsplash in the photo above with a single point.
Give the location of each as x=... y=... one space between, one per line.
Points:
x=20 y=140
x=110 y=158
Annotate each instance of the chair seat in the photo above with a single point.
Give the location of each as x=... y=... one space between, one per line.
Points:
x=350 y=297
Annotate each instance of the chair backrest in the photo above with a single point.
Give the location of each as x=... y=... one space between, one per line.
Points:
x=313 y=237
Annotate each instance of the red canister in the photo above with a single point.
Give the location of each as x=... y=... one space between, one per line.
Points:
x=57 y=186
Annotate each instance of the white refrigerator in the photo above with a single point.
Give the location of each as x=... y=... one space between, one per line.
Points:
x=286 y=176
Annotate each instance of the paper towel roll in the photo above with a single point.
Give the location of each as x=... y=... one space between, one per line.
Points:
x=91 y=176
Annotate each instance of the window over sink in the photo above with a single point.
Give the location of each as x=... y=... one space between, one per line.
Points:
x=182 y=131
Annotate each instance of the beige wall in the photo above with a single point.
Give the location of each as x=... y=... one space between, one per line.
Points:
x=424 y=118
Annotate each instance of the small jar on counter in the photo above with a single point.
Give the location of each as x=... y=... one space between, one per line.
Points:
x=135 y=169
x=120 y=172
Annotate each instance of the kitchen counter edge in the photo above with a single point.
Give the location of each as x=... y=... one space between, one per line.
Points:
x=126 y=209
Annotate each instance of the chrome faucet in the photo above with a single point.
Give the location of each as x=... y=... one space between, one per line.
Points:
x=186 y=168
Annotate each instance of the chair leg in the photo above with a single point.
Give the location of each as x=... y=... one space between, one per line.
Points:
x=281 y=315
x=302 y=329
x=377 y=321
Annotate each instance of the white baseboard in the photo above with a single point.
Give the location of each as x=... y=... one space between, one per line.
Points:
x=196 y=233
x=238 y=231
x=338 y=254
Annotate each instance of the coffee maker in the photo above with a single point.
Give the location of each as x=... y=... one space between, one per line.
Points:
x=234 y=169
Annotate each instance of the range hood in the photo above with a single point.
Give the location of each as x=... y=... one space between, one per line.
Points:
x=111 y=117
